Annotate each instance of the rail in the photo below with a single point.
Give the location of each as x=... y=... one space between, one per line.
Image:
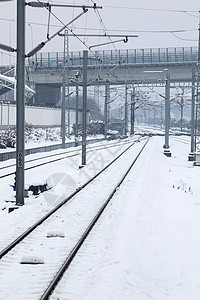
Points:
x=72 y=248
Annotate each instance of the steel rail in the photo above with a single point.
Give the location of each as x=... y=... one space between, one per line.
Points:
x=52 y=155
x=51 y=212
x=180 y=140
x=57 y=159
x=74 y=251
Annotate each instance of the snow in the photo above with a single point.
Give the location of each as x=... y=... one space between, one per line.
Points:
x=51 y=234
x=32 y=260
x=145 y=246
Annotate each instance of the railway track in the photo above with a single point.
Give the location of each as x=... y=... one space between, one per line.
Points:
x=181 y=140
x=55 y=158
x=55 y=250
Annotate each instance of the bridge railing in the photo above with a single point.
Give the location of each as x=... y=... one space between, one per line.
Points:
x=109 y=57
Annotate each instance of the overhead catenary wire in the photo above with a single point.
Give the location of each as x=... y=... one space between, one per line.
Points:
x=42 y=44
x=146 y=8
x=152 y=9
x=189 y=12
x=65 y=26
x=183 y=39
x=58 y=19
x=103 y=25
x=110 y=30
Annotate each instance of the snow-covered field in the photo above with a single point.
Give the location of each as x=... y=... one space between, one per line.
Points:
x=146 y=245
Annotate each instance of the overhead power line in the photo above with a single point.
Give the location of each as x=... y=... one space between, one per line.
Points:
x=190 y=40
x=50 y=11
x=101 y=22
x=153 y=9
x=110 y=30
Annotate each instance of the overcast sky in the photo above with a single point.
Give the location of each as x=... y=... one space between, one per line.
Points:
x=171 y=23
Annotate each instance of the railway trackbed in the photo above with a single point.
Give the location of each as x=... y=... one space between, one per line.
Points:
x=32 y=265
x=9 y=170
x=181 y=140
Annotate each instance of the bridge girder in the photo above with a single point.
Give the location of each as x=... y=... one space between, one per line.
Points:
x=131 y=74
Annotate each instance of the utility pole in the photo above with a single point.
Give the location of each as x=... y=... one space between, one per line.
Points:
x=107 y=94
x=161 y=115
x=63 y=116
x=20 y=145
x=192 y=149
x=182 y=105
x=20 y=93
x=68 y=94
x=77 y=75
x=197 y=131
x=154 y=115
x=76 y=123
x=167 y=113
x=126 y=109
x=132 y=111
x=63 y=130
x=84 y=107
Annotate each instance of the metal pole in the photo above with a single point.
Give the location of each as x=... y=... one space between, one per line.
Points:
x=1 y=113
x=68 y=99
x=20 y=102
x=8 y=113
x=161 y=115
x=10 y=44
x=167 y=90
x=126 y=109
x=76 y=124
x=154 y=116
x=197 y=106
x=182 y=105
x=106 y=111
x=63 y=98
x=132 y=111
x=84 y=107
x=193 y=110
x=167 y=113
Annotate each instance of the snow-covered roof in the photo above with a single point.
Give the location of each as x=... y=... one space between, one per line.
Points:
x=7 y=80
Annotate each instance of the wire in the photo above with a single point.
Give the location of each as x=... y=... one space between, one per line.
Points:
x=110 y=30
x=191 y=15
x=73 y=14
x=143 y=31
x=153 y=9
x=103 y=25
x=148 y=9
x=85 y=28
x=67 y=27
x=172 y=32
x=8 y=54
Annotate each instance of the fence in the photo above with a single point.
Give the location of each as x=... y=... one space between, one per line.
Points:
x=109 y=57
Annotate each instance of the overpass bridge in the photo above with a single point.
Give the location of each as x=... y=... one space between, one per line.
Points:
x=136 y=66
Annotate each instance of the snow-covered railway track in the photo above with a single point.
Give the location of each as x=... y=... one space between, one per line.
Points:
x=181 y=140
x=58 y=237
x=9 y=170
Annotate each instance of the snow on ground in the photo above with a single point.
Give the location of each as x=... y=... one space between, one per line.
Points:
x=147 y=244
x=64 y=175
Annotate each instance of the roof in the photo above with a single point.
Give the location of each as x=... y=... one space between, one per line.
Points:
x=11 y=80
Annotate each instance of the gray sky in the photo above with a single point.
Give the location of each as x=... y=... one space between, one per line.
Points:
x=149 y=19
